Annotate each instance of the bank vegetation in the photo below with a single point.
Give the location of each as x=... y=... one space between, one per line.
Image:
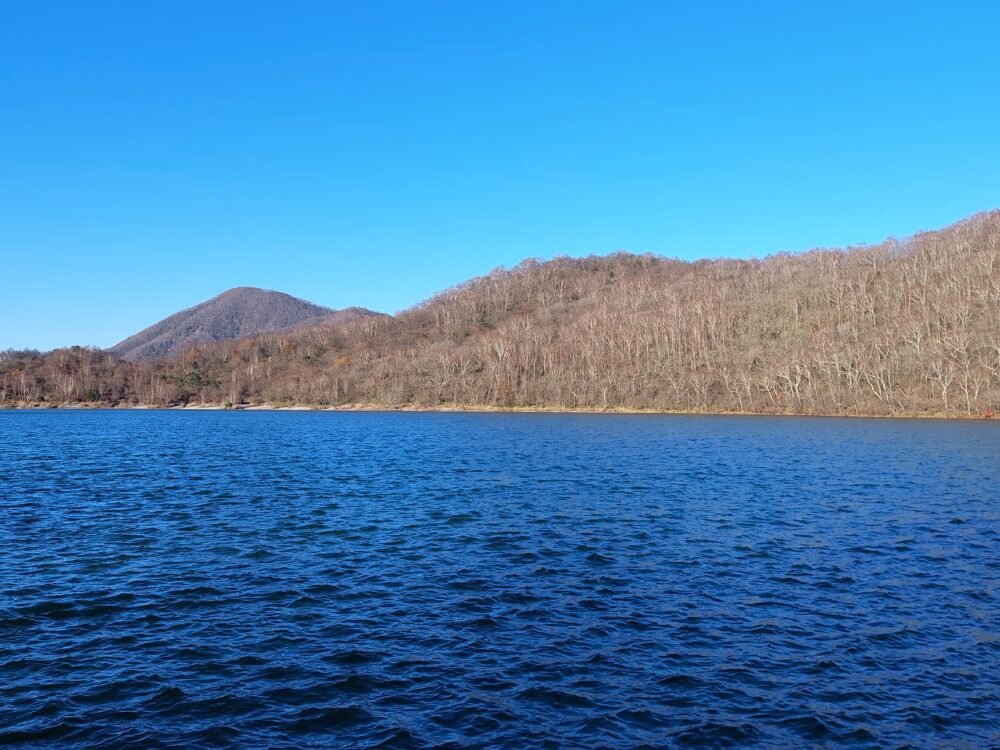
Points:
x=904 y=327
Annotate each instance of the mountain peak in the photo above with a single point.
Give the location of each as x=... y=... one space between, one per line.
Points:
x=240 y=291
x=235 y=313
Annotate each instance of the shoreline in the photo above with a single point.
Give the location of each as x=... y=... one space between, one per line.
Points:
x=474 y=409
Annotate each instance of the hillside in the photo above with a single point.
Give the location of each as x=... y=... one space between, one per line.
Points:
x=904 y=327
x=243 y=311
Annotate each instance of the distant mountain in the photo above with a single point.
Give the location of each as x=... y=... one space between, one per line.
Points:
x=243 y=311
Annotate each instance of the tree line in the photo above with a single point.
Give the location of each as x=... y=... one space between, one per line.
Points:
x=904 y=327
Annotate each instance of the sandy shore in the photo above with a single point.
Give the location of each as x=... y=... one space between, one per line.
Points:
x=363 y=407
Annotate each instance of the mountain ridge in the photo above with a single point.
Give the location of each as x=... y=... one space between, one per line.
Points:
x=910 y=326
x=235 y=313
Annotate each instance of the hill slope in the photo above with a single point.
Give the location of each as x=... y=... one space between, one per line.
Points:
x=909 y=326
x=239 y=312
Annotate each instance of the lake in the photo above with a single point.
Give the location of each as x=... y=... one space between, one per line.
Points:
x=321 y=579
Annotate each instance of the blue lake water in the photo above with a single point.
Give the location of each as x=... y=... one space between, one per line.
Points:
x=300 y=579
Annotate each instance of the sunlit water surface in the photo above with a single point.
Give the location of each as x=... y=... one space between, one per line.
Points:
x=497 y=581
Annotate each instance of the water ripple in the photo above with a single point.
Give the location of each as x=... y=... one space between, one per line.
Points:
x=302 y=580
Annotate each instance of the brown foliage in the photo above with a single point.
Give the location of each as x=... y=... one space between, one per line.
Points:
x=903 y=327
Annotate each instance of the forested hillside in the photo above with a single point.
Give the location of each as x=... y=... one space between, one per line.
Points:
x=905 y=327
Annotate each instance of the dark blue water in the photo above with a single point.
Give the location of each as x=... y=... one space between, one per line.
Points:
x=497 y=581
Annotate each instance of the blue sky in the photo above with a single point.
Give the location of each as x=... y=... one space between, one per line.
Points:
x=154 y=154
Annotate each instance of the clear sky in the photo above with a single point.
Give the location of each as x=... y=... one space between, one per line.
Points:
x=154 y=154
